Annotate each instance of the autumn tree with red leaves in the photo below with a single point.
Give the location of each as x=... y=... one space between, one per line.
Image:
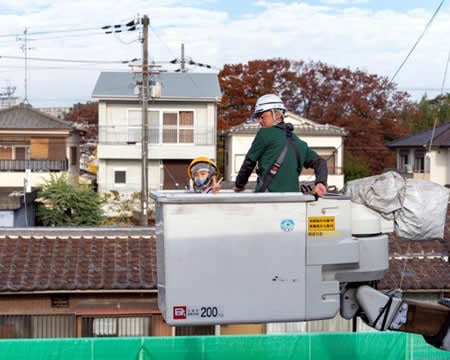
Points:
x=85 y=117
x=368 y=106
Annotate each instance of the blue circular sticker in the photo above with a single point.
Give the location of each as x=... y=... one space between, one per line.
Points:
x=287 y=225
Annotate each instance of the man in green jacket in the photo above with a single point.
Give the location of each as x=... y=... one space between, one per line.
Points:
x=266 y=149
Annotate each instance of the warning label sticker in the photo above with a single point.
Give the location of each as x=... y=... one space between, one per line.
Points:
x=321 y=223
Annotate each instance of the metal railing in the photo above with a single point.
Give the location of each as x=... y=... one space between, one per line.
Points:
x=35 y=165
x=37 y=326
x=65 y=326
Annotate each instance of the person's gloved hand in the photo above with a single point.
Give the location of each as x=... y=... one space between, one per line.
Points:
x=320 y=189
x=306 y=189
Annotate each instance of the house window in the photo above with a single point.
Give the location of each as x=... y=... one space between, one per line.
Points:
x=404 y=161
x=73 y=155
x=37 y=326
x=194 y=330
x=178 y=127
x=116 y=326
x=153 y=127
x=120 y=177
x=134 y=126
x=20 y=153
x=419 y=161
x=5 y=152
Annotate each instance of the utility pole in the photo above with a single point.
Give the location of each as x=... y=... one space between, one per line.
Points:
x=144 y=92
x=182 y=61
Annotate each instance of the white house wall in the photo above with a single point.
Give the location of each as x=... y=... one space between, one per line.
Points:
x=113 y=118
x=16 y=179
x=439 y=166
x=239 y=144
x=132 y=168
x=114 y=151
x=448 y=168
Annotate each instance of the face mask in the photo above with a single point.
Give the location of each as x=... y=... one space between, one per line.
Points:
x=200 y=181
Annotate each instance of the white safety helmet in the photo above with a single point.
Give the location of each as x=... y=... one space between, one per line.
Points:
x=268 y=102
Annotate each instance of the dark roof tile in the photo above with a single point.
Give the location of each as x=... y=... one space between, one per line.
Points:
x=441 y=137
x=77 y=263
x=23 y=116
x=419 y=265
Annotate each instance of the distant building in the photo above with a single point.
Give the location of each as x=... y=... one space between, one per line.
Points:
x=327 y=140
x=17 y=207
x=7 y=102
x=425 y=155
x=7 y=99
x=56 y=112
x=182 y=125
x=34 y=141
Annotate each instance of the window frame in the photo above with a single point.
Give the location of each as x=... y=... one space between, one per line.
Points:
x=115 y=171
x=156 y=125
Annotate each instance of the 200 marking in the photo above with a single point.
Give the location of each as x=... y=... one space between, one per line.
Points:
x=209 y=311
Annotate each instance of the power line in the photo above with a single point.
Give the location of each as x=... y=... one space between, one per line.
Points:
x=73 y=60
x=418 y=40
x=108 y=29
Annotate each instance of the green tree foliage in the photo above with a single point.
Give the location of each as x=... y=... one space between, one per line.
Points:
x=355 y=168
x=368 y=106
x=63 y=203
x=431 y=111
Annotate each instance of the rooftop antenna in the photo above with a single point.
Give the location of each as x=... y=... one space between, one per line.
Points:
x=25 y=49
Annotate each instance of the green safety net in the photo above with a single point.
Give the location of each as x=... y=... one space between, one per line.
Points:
x=323 y=346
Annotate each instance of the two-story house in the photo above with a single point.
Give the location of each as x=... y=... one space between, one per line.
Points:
x=33 y=145
x=425 y=155
x=327 y=140
x=182 y=115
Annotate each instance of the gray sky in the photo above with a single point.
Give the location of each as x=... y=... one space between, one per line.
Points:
x=372 y=35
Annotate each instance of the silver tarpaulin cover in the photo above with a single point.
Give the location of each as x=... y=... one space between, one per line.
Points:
x=418 y=207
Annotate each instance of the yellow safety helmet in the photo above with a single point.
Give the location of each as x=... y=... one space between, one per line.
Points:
x=202 y=163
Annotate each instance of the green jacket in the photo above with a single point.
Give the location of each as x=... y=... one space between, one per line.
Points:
x=264 y=151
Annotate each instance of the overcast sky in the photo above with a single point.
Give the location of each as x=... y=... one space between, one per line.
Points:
x=372 y=35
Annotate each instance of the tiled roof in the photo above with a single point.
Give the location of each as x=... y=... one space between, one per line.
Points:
x=417 y=274
x=93 y=259
x=440 y=136
x=58 y=262
x=419 y=265
x=318 y=130
x=175 y=86
x=23 y=116
x=302 y=127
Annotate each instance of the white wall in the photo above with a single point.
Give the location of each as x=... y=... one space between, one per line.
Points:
x=238 y=145
x=439 y=166
x=6 y=218
x=133 y=171
x=16 y=179
x=114 y=152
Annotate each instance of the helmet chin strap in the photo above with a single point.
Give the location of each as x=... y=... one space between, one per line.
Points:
x=275 y=120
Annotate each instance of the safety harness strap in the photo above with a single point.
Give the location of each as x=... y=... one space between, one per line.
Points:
x=279 y=161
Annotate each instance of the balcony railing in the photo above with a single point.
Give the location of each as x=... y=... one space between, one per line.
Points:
x=34 y=165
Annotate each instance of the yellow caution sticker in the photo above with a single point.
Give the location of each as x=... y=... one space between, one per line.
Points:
x=317 y=224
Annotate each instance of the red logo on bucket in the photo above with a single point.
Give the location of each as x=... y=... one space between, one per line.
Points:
x=179 y=312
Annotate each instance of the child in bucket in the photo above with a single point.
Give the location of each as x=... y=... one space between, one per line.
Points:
x=203 y=174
